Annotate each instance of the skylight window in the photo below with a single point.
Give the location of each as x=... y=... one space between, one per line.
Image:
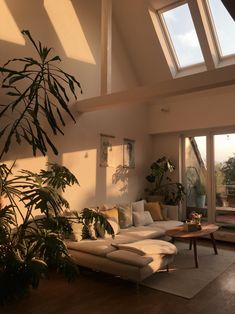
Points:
x=182 y=36
x=223 y=27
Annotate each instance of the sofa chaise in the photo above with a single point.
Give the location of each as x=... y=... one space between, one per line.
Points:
x=135 y=253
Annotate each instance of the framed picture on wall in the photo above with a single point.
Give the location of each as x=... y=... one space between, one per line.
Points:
x=128 y=153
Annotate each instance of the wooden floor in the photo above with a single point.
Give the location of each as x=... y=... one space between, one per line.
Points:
x=95 y=293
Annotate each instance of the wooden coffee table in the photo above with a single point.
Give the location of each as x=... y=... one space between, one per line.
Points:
x=207 y=229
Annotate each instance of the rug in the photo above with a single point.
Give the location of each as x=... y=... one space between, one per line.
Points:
x=183 y=278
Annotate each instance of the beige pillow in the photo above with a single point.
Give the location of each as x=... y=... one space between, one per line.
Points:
x=142 y=218
x=138 y=206
x=155 y=210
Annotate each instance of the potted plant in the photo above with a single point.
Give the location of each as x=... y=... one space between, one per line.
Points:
x=162 y=187
x=39 y=89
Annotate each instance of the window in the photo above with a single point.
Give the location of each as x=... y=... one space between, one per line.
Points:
x=181 y=36
x=223 y=28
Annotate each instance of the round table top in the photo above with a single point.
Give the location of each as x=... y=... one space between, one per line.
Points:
x=179 y=232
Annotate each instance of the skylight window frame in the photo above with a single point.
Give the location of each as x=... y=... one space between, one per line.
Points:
x=214 y=34
x=168 y=40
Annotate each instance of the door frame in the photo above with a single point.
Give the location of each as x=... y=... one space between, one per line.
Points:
x=210 y=160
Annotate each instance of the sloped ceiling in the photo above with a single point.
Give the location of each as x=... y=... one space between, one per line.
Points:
x=137 y=31
x=141 y=41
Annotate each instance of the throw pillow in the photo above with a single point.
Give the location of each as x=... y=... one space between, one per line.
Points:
x=110 y=213
x=148 y=218
x=125 y=216
x=76 y=231
x=155 y=210
x=89 y=231
x=138 y=206
x=142 y=219
x=112 y=216
x=164 y=212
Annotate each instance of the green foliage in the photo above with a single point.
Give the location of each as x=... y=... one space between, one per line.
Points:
x=228 y=169
x=39 y=89
x=159 y=170
x=29 y=248
x=171 y=192
x=94 y=217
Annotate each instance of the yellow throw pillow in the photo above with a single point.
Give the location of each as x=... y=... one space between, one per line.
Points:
x=155 y=210
x=111 y=213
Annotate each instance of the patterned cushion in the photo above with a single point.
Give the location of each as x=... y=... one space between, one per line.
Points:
x=125 y=216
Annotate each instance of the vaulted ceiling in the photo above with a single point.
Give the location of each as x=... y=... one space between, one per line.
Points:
x=136 y=29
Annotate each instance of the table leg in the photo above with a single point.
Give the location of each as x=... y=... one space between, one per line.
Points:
x=214 y=244
x=195 y=251
x=190 y=244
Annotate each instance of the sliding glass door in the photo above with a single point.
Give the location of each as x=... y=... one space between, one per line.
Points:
x=224 y=152
x=209 y=177
x=196 y=176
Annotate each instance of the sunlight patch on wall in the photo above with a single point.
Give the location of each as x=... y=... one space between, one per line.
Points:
x=33 y=164
x=9 y=30
x=69 y=30
x=83 y=165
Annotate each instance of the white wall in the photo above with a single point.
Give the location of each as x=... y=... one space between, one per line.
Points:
x=199 y=112
x=79 y=148
x=202 y=110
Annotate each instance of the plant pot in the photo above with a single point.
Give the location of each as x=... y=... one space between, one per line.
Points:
x=200 y=201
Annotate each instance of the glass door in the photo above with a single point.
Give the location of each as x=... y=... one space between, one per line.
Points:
x=224 y=176
x=196 y=176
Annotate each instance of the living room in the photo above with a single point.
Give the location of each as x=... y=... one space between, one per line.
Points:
x=132 y=92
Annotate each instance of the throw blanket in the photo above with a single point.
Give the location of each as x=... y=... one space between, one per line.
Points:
x=148 y=247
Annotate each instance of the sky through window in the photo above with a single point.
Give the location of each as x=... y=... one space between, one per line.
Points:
x=183 y=36
x=224 y=27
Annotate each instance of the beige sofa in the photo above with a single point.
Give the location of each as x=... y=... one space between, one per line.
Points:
x=134 y=254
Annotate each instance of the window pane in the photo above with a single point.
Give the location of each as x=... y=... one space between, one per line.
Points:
x=224 y=27
x=183 y=36
x=196 y=176
x=225 y=179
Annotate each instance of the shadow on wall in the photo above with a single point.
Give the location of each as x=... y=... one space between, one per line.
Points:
x=121 y=175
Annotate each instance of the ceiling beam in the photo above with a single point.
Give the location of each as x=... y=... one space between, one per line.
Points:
x=198 y=82
x=106 y=47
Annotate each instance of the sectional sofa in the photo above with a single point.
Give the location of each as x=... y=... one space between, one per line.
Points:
x=136 y=252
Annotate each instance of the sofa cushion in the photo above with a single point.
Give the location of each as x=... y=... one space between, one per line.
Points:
x=125 y=216
x=99 y=247
x=155 y=210
x=130 y=258
x=148 y=247
x=143 y=232
x=166 y=225
x=138 y=206
x=142 y=218
x=110 y=213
